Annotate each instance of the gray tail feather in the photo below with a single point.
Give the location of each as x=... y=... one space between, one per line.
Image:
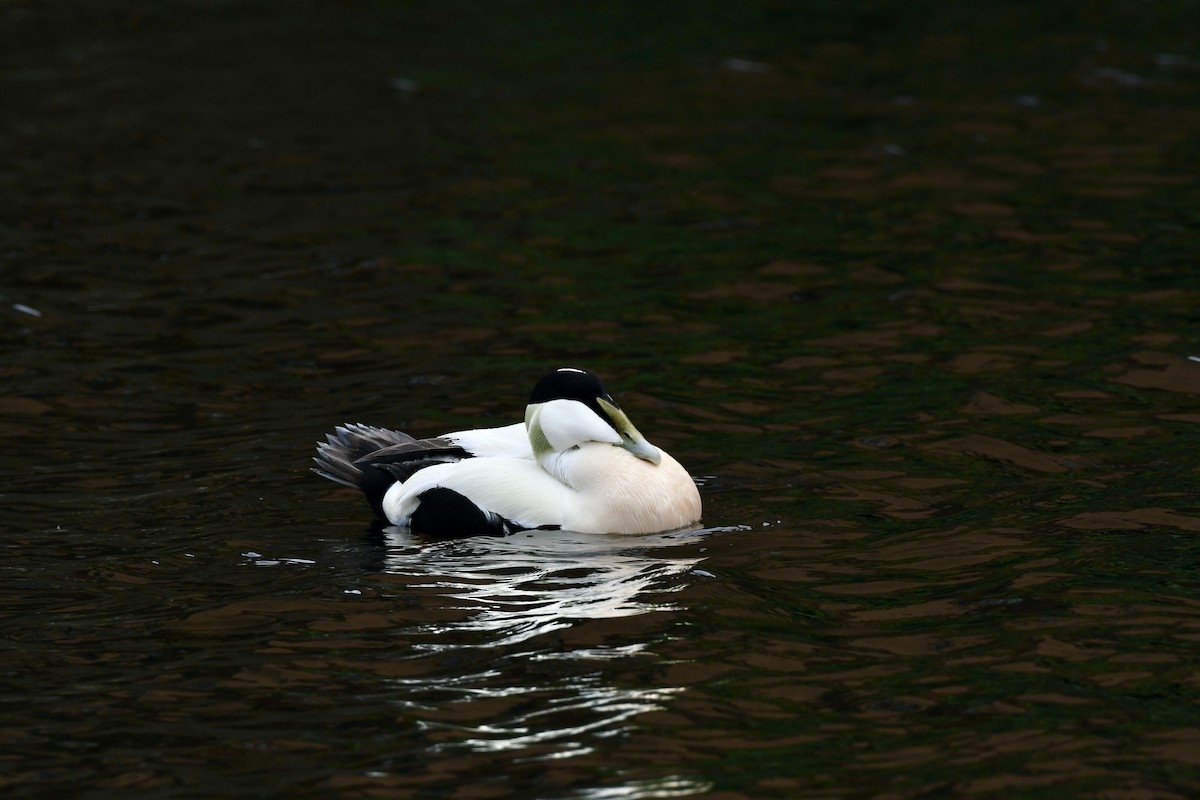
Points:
x=336 y=456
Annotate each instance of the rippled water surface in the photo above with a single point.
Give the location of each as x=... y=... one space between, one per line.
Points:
x=910 y=288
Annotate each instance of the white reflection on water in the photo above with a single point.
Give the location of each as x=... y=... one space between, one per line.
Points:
x=552 y=697
x=600 y=709
x=527 y=585
x=670 y=786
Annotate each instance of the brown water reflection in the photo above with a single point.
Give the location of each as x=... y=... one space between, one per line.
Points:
x=483 y=654
x=877 y=650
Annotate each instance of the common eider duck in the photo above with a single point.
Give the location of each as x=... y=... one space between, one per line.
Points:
x=576 y=463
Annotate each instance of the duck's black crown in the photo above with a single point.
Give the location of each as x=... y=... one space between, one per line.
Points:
x=571 y=383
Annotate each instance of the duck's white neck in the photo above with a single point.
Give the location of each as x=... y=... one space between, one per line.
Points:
x=558 y=425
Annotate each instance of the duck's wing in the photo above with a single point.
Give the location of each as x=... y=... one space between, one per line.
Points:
x=509 y=441
x=478 y=496
x=336 y=456
x=372 y=459
x=403 y=459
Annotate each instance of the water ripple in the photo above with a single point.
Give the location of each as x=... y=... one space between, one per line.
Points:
x=516 y=589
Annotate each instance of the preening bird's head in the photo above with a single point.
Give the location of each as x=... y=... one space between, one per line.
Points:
x=570 y=406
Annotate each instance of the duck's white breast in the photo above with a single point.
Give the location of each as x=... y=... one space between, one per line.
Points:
x=616 y=492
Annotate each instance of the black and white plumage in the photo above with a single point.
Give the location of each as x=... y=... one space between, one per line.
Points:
x=576 y=463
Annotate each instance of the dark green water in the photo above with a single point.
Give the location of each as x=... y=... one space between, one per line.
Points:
x=910 y=288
